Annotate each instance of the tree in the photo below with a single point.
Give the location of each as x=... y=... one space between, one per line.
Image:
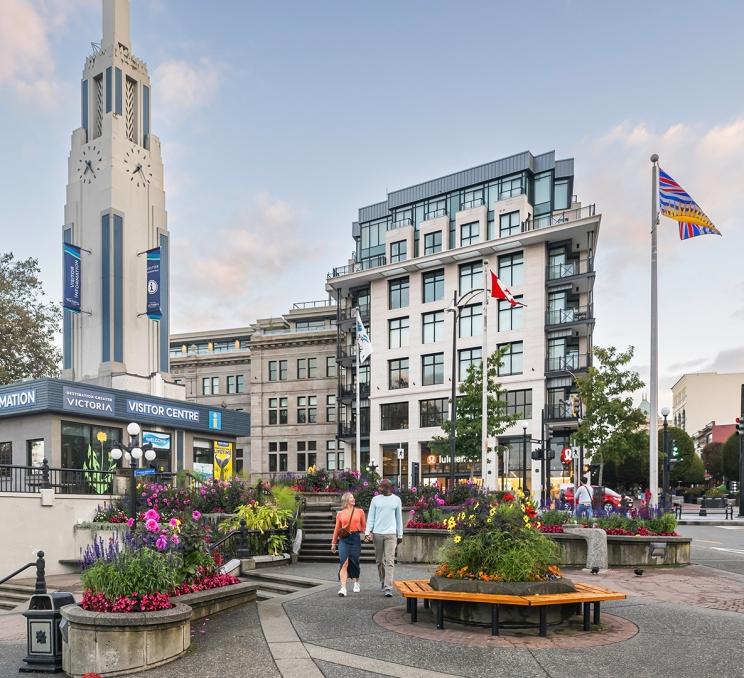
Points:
x=28 y=323
x=468 y=428
x=731 y=457
x=713 y=460
x=610 y=425
x=689 y=468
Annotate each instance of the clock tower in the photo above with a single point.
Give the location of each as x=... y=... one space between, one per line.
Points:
x=115 y=213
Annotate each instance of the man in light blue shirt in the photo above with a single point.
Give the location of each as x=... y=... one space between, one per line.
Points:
x=385 y=524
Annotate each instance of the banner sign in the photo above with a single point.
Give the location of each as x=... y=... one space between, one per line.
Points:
x=71 y=268
x=159 y=441
x=86 y=400
x=154 y=312
x=215 y=420
x=144 y=471
x=17 y=400
x=168 y=413
x=223 y=469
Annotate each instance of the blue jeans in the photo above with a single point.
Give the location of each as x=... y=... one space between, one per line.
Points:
x=584 y=509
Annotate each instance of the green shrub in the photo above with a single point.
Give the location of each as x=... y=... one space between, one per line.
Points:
x=555 y=517
x=285 y=497
x=662 y=524
x=262 y=519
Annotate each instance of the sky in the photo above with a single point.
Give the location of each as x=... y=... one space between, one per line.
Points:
x=279 y=120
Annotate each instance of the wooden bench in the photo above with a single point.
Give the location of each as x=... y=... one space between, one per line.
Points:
x=586 y=595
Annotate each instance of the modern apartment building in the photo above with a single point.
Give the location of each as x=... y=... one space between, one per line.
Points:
x=283 y=372
x=704 y=397
x=428 y=241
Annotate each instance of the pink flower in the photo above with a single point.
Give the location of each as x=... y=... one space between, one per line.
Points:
x=196 y=515
x=161 y=543
x=175 y=540
x=413 y=489
x=152 y=525
x=130 y=522
x=152 y=514
x=173 y=522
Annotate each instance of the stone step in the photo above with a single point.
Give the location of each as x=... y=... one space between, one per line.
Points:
x=28 y=591
x=330 y=558
x=279 y=588
x=301 y=582
x=6 y=606
x=12 y=595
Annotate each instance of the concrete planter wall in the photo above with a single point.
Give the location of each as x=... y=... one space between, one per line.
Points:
x=212 y=601
x=424 y=546
x=117 y=644
x=323 y=498
x=84 y=534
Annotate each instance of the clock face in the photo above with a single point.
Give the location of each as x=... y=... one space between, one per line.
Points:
x=89 y=164
x=137 y=166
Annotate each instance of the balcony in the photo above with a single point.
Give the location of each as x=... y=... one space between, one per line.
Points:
x=435 y=214
x=559 y=218
x=568 y=316
x=320 y=303
x=560 y=412
x=471 y=204
x=348 y=391
x=569 y=269
x=571 y=362
x=348 y=430
x=357 y=266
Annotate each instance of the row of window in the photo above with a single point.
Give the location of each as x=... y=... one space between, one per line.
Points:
x=306 y=410
x=307 y=368
x=435 y=411
x=470 y=277
x=306 y=456
x=234 y=383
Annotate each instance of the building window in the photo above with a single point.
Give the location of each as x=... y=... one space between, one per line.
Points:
x=433 y=243
x=433 y=286
x=331 y=455
x=6 y=457
x=398 y=373
x=330 y=408
x=511 y=267
x=307 y=409
x=432 y=327
x=239 y=460
x=561 y=195
x=393 y=416
x=210 y=385
x=433 y=412
x=519 y=403
x=398 y=251
x=512 y=360
x=398 y=293
x=235 y=384
x=278 y=462
x=79 y=440
x=307 y=368
x=510 y=317
x=398 y=332
x=471 y=321
x=35 y=452
x=468 y=357
x=302 y=368
x=469 y=233
x=278 y=411
x=509 y=224
x=222 y=346
x=510 y=188
x=543 y=185
x=331 y=366
x=471 y=277
x=273 y=370
x=432 y=369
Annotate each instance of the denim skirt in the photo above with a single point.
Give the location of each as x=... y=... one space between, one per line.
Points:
x=350 y=549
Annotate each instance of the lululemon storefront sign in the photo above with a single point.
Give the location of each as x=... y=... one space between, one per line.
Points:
x=22 y=399
x=171 y=414
x=85 y=400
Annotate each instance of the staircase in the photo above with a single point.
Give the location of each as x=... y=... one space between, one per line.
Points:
x=12 y=595
x=317 y=530
x=276 y=584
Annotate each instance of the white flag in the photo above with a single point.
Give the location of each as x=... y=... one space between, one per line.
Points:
x=363 y=342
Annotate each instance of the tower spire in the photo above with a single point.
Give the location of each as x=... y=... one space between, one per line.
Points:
x=115 y=23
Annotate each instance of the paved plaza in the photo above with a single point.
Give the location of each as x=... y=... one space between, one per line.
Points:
x=675 y=622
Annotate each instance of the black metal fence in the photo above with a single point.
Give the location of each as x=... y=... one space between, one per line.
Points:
x=30 y=479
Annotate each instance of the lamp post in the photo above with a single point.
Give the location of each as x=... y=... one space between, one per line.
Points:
x=665 y=472
x=524 y=457
x=132 y=453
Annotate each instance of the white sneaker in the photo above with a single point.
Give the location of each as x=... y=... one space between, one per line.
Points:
x=342 y=591
x=356 y=587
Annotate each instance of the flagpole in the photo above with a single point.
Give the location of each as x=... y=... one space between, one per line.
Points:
x=653 y=437
x=358 y=450
x=484 y=364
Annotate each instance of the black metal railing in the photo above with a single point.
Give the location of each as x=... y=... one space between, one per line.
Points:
x=559 y=412
x=29 y=479
x=570 y=361
x=347 y=391
x=356 y=266
x=40 y=565
x=570 y=314
x=244 y=543
x=569 y=268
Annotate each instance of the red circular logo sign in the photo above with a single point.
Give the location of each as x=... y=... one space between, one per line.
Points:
x=566 y=455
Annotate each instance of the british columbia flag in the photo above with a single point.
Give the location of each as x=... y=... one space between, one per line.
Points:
x=676 y=203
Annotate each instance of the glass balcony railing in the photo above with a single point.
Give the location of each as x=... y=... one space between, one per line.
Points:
x=561 y=411
x=434 y=214
x=568 y=268
x=564 y=316
x=559 y=218
x=569 y=362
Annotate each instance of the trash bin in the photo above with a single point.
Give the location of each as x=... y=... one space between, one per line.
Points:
x=44 y=638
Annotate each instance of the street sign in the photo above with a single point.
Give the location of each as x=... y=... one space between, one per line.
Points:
x=575 y=454
x=566 y=455
x=144 y=471
x=401 y=453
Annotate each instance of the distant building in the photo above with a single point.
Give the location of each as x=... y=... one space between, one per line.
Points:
x=712 y=433
x=702 y=397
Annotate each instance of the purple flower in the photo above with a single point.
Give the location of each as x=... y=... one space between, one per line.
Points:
x=196 y=515
x=130 y=522
x=365 y=484
x=161 y=543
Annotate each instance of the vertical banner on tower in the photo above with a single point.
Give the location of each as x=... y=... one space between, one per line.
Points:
x=223 y=453
x=154 y=311
x=71 y=266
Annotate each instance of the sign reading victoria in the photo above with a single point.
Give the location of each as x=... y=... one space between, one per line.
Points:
x=86 y=400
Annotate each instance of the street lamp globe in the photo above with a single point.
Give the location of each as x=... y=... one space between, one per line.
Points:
x=116 y=454
x=150 y=455
x=137 y=453
x=665 y=412
x=133 y=429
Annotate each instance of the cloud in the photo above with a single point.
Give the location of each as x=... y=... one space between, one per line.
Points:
x=27 y=67
x=183 y=87
x=231 y=275
x=728 y=360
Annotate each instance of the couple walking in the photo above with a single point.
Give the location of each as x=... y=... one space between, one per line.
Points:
x=384 y=527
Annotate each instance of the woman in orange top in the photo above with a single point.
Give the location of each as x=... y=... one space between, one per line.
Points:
x=352 y=519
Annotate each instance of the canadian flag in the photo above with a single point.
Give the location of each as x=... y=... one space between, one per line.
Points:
x=499 y=291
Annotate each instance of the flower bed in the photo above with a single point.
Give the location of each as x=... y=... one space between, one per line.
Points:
x=663 y=526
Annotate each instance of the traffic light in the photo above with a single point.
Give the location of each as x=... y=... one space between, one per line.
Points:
x=740 y=426
x=733 y=486
x=675 y=456
x=537 y=454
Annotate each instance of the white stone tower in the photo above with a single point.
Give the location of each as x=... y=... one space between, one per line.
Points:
x=115 y=212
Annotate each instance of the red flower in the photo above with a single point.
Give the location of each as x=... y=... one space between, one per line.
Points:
x=507 y=496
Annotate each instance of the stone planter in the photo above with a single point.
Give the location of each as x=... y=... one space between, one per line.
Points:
x=421 y=546
x=313 y=499
x=713 y=502
x=115 y=644
x=206 y=603
x=514 y=616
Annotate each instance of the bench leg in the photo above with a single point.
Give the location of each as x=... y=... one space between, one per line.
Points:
x=427 y=604
x=543 y=621
x=408 y=605
x=587 y=625
x=494 y=620
x=440 y=614
x=414 y=610
x=596 y=612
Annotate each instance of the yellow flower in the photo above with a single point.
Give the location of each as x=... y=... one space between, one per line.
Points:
x=489 y=520
x=492 y=512
x=457 y=539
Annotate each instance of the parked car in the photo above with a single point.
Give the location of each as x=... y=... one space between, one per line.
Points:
x=611 y=500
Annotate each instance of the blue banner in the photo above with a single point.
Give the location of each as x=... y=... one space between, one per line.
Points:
x=71 y=267
x=154 y=311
